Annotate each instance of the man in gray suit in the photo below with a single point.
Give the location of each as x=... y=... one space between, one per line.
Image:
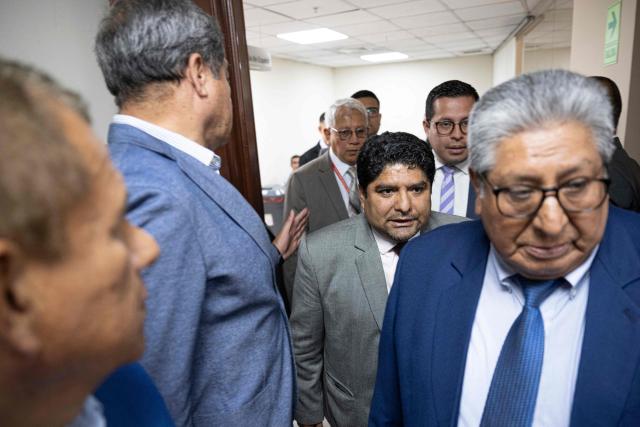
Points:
x=327 y=185
x=344 y=274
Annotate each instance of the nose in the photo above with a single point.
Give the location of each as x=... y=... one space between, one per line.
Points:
x=144 y=248
x=457 y=132
x=550 y=219
x=403 y=202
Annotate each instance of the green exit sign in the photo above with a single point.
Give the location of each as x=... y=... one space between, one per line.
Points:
x=612 y=34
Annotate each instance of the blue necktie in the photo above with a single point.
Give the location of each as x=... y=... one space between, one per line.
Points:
x=514 y=388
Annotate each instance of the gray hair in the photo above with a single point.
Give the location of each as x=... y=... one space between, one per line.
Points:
x=149 y=41
x=534 y=101
x=348 y=103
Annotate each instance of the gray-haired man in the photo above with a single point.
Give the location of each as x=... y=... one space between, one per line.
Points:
x=530 y=316
x=217 y=337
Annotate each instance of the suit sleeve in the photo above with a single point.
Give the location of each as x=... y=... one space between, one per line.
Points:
x=294 y=199
x=386 y=405
x=176 y=285
x=307 y=326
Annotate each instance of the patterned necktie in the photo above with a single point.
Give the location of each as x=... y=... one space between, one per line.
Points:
x=354 y=200
x=514 y=388
x=398 y=247
x=448 y=190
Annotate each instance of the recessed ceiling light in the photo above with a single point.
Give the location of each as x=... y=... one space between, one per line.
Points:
x=382 y=57
x=320 y=35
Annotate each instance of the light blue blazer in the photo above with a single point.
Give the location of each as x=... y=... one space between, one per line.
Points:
x=217 y=339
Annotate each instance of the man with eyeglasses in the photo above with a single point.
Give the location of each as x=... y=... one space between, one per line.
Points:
x=529 y=317
x=372 y=105
x=328 y=184
x=445 y=123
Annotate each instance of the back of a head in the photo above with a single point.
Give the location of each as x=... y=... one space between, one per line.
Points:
x=43 y=176
x=614 y=97
x=144 y=42
x=448 y=89
x=390 y=148
x=536 y=101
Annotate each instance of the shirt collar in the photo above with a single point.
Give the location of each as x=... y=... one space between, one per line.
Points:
x=323 y=144
x=462 y=166
x=339 y=164
x=503 y=272
x=385 y=244
x=182 y=143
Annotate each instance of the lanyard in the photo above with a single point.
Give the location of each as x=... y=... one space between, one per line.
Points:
x=337 y=172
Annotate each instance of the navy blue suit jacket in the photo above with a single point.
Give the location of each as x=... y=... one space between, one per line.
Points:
x=430 y=313
x=130 y=399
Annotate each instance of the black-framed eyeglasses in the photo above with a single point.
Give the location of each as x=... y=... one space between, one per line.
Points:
x=446 y=127
x=576 y=195
x=345 y=134
x=372 y=111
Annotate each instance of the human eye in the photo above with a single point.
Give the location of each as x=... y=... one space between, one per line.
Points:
x=574 y=185
x=344 y=133
x=519 y=194
x=361 y=132
x=385 y=191
x=417 y=189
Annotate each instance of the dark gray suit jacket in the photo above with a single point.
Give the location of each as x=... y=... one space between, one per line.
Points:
x=313 y=186
x=339 y=300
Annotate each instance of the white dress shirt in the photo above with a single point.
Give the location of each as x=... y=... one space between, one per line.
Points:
x=461 y=182
x=342 y=168
x=388 y=256
x=563 y=314
x=182 y=143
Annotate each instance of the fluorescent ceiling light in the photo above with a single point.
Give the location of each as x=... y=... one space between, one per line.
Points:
x=382 y=57
x=320 y=35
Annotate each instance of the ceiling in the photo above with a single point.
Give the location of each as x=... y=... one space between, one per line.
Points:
x=422 y=29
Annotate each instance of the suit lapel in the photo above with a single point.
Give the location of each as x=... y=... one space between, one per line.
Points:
x=370 y=270
x=611 y=345
x=454 y=321
x=328 y=180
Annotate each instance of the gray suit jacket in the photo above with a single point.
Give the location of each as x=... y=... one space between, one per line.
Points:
x=339 y=301
x=313 y=186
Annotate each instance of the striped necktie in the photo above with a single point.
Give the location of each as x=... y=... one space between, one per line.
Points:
x=511 y=401
x=216 y=163
x=447 y=190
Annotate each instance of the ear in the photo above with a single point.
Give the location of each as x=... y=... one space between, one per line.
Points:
x=425 y=125
x=16 y=304
x=327 y=134
x=477 y=186
x=362 y=194
x=196 y=73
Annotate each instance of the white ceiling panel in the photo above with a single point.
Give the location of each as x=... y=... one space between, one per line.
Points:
x=257 y=17
x=347 y=18
x=431 y=19
x=367 y=28
x=423 y=29
x=489 y=11
x=306 y=9
x=408 y=9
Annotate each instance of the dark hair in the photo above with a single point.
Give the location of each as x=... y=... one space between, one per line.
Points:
x=43 y=177
x=614 y=97
x=294 y=157
x=448 y=89
x=392 y=148
x=365 y=94
x=149 y=41
x=321 y=119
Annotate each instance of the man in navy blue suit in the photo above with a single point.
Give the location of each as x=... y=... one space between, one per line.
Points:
x=529 y=317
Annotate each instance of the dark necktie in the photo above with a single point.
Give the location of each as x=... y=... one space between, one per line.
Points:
x=514 y=387
x=354 y=200
x=398 y=247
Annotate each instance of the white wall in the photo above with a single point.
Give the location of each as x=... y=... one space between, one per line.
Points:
x=287 y=102
x=292 y=96
x=543 y=59
x=57 y=36
x=403 y=87
x=504 y=62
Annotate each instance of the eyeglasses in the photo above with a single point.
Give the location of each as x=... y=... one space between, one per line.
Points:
x=446 y=127
x=372 y=111
x=345 y=134
x=576 y=195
